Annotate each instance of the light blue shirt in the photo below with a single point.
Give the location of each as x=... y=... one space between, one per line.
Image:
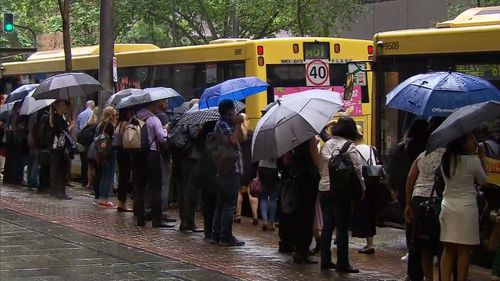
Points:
x=83 y=118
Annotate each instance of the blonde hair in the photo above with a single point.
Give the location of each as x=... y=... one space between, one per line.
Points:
x=108 y=115
x=93 y=119
x=244 y=125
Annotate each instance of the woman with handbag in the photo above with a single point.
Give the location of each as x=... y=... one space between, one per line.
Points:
x=419 y=188
x=105 y=156
x=123 y=160
x=462 y=169
x=364 y=215
x=60 y=154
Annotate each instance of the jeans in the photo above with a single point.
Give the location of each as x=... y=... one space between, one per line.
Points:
x=335 y=215
x=269 y=195
x=227 y=195
x=107 y=174
x=33 y=169
x=84 y=167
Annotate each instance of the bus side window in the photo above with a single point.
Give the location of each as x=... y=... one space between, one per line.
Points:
x=365 y=98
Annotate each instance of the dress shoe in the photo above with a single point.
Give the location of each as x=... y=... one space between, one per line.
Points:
x=233 y=242
x=304 y=260
x=123 y=210
x=163 y=225
x=367 y=251
x=141 y=222
x=193 y=228
x=349 y=269
x=328 y=266
x=286 y=250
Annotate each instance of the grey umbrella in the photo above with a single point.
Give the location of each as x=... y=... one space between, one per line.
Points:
x=292 y=121
x=461 y=122
x=196 y=116
x=67 y=85
x=118 y=96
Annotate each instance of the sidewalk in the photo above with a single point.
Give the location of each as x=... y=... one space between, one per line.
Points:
x=257 y=260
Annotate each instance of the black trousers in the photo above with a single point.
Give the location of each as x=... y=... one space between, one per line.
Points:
x=209 y=204
x=147 y=170
x=286 y=231
x=187 y=191
x=44 y=173
x=303 y=220
x=58 y=171
x=124 y=172
x=83 y=168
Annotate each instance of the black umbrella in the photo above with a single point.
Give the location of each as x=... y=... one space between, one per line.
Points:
x=463 y=121
x=67 y=85
x=196 y=116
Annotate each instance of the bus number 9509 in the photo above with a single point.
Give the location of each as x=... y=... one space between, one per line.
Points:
x=391 y=45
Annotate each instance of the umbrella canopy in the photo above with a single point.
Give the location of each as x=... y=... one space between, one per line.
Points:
x=233 y=89
x=292 y=121
x=149 y=95
x=461 y=122
x=440 y=93
x=195 y=115
x=67 y=85
x=30 y=105
x=174 y=98
x=7 y=107
x=20 y=93
x=118 y=96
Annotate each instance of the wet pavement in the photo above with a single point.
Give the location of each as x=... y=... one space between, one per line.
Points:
x=47 y=239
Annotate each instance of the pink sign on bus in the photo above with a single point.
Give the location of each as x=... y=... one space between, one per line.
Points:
x=352 y=107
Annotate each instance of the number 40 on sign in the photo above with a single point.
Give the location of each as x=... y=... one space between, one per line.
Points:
x=317 y=72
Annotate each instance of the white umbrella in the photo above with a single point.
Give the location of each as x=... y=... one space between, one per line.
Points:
x=292 y=121
x=30 y=105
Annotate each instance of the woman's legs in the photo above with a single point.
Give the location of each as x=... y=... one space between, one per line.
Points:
x=463 y=261
x=106 y=180
x=90 y=174
x=254 y=205
x=448 y=260
x=426 y=260
x=237 y=217
x=369 y=243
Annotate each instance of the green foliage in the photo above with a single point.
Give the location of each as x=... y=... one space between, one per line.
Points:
x=462 y=5
x=183 y=22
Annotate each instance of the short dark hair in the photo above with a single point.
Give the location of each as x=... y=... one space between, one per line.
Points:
x=345 y=128
x=225 y=106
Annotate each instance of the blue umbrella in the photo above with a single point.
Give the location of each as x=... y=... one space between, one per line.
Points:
x=440 y=93
x=20 y=93
x=233 y=89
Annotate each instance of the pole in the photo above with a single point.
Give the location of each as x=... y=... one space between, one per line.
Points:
x=174 y=31
x=106 y=51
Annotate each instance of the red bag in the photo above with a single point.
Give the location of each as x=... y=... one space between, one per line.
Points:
x=255 y=187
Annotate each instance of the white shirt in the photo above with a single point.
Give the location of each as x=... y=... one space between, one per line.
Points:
x=331 y=148
x=367 y=153
x=459 y=188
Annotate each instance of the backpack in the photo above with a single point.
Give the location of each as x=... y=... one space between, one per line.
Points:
x=86 y=136
x=178 y=138
x=135 y=135
x=344 y=182
x=45 y=136
x=103 y=144
x=221 y=152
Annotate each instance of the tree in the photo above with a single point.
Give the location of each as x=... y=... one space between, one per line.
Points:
x=64 y=9
x=462 y=5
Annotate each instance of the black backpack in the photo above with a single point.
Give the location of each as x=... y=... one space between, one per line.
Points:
x=344 y=182
x=223 y=154
x=86 y=136
x=45 y=137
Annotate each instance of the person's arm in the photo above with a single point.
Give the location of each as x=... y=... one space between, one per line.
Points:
x=410 y=183
x=313 y=150
x=358 y=164
x=237 y=136
x=158 y=130
x=479 y=171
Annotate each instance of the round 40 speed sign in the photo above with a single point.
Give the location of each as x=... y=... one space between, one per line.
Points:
x=318 y=73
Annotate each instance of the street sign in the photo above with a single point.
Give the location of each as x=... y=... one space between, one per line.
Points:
x=115 y=71
x=317 y=72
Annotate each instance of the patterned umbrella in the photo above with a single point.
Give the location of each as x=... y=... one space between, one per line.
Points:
x=20 y=93
x=118 y=96
x=67 y=85
x=195 y=115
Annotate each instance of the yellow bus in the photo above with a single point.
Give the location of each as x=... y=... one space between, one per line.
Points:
x=287 y=64
x=470 y=44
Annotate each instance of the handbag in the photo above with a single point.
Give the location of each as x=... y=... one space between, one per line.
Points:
x=371 y=169
x=59 y=142
x=428 y=226
x=103 y=144
x=255 y=187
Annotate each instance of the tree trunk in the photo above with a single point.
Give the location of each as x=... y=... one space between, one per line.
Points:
x=64 y=9
x=106 y=51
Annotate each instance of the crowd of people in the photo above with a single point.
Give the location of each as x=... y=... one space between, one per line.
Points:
x=179 y=164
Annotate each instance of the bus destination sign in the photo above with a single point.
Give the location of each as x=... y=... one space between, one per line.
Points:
x=485 y=71
x=316 y=50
